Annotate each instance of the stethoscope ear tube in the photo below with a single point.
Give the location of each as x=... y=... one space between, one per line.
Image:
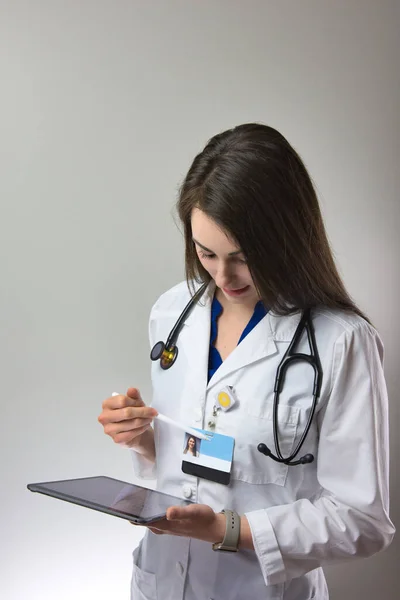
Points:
x=304 y=460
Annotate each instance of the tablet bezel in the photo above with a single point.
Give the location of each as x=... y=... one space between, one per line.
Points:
x=42 y=489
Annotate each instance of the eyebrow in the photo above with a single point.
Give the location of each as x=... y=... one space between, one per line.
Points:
x=211 y=252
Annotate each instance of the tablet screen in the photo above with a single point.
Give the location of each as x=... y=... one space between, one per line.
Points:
x=114 y=497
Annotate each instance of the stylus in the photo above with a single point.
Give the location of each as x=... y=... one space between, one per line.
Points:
x=178 y=425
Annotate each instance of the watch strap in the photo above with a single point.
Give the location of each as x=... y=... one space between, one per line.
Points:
x=232 y=532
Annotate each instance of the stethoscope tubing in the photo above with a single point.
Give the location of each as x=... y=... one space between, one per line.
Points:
x=305 y=323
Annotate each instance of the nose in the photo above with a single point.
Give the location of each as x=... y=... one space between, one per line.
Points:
x=223 y=276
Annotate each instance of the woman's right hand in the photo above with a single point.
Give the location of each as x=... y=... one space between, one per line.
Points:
x=126 y=418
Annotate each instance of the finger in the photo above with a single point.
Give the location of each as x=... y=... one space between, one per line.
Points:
x=129 y=425
x=134 y=398
x=120 y=401
x=140 y=412
x=126 y=414
x=126 y=438
x=159 y=526
x=134 y=394
x=177 y=513
x=194 y=511
x=156 y=531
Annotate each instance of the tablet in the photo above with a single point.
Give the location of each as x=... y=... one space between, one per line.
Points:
x=118 y=498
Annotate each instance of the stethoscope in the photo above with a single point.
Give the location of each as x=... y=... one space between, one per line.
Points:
x=167 y=354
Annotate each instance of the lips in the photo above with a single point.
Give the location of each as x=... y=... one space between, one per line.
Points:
x=236 y=292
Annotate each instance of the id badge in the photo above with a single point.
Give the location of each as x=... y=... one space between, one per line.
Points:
x=208 y=459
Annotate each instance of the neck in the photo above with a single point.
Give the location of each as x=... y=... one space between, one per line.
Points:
x=235 y=310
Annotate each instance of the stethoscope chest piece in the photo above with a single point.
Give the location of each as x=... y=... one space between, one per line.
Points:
x=167 y=353
x=166 y=356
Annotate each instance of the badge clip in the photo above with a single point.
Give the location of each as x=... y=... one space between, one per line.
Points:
x=226 y=398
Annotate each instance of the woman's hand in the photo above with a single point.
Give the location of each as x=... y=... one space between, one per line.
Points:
x=200 y=522
x=127 y=420
x=197 y=521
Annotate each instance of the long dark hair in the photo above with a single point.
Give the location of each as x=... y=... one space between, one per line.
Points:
x=255 y=186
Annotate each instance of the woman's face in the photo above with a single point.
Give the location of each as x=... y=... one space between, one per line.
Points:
x=223 y=260
x=191 y=444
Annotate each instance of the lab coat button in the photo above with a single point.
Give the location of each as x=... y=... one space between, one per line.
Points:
x=179 y=568
x=187 y=490
x=198 y=415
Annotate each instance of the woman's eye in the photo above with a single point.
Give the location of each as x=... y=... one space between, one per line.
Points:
x=240 y=261
x=204 y=255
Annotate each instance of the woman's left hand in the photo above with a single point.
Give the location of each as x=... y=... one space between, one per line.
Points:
x=197 y=521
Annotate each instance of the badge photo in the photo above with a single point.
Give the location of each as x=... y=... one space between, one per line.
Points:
x=209 y=458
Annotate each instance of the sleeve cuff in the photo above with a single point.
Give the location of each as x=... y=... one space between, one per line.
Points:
x=143 y=468
x=266 y=547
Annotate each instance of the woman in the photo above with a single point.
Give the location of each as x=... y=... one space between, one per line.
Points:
x=191 y=447
x=254 y=234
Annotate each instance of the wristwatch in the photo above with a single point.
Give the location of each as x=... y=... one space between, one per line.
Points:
x=232 y=533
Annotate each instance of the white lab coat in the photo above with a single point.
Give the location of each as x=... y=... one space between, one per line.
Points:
x=301 y=517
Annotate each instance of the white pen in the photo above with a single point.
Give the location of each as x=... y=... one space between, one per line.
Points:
x=190 y=430
x=178 y=425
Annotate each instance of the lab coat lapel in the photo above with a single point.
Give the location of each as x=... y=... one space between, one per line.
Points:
x=258 y=344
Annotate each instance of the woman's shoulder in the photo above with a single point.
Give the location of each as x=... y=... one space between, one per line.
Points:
x=331 y=326
x=173 y=300
x=341 y=321
x=345 y=329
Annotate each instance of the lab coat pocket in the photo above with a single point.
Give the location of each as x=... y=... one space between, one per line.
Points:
x=143 y=584
x=249 y=464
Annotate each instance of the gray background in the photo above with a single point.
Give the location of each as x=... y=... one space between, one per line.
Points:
x=103 y=106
